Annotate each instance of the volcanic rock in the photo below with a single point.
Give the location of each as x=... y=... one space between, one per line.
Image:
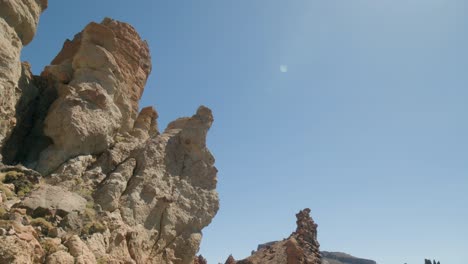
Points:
x=100 y=77
x=100 y=175
x=49 y=197
x=18 y=23
x=301 y=247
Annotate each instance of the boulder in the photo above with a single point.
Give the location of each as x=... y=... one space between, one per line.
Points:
x=49 y=197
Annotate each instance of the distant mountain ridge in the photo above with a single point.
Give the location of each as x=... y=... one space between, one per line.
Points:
x=342 y=258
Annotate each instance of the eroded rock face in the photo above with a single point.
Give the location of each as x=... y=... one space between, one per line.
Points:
x=18 y=23
x=48 y=197
x=301 y=247
x=111 y=187
x=100 y=77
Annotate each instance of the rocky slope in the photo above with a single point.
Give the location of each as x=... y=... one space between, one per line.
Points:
x=85 y=176
x=301 y=247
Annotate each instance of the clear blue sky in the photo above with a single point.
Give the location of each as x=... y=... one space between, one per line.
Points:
x=368 y=127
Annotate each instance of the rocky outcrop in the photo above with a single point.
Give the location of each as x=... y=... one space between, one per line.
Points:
x=100 y=77
x=343 y=258
x=18 y=23
x=100 y=182
x=48 y=197
x=301 y=247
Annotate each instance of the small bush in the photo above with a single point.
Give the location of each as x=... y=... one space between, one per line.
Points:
x=21 y=183
x=11 y=176
x=3 y=212
x=94 y=227
x=44 y=224
x=92 y=224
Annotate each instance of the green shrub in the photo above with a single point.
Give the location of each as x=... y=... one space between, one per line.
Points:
x=19 y=180
x=43 y=223
x=94 y=227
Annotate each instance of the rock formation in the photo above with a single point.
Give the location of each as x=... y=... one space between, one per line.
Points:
x=18 y=23
x=301 y=247
x=85 y=177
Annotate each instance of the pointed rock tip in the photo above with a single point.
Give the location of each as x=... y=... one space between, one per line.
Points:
x=303 y=214
x=205 y=114
x=230 y=260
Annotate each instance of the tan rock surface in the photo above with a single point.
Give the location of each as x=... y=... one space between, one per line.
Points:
x=60 y=257
x=80 y=251
x=20 y=245
x=54 y=198
x=100 y=77
x=18 y=23
x=113 y=189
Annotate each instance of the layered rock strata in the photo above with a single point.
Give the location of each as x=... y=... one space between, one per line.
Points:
x=85 y=176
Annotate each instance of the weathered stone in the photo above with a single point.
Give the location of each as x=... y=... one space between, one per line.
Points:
x=18 y=23
x=106 y=72
x=60 y=257
x=113 y=187
x=301 y=247
x=18 y=251
x=80 y=251
x=57 y=232
x=23 y=16
x=149 y=194
x=145 y=124
x=20 y=245
x=172 y=189
x=53 y=197
x=73 y=221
